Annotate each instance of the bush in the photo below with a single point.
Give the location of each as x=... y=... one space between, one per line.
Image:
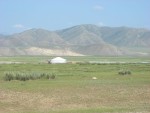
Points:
x=52 y=76
x=124 y=72
x=17 y=77
x=27 y=76
x=8 y=76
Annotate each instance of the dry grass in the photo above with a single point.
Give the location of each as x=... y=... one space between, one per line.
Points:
x=131 y=98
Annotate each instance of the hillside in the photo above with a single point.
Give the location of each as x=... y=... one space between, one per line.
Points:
x=78 y=40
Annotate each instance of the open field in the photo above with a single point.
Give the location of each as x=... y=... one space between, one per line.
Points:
x=73 y=90
x=92 y=59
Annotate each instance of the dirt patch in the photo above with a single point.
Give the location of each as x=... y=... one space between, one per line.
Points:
x=16 y=101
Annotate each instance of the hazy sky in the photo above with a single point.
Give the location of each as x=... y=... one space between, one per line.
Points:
x=20 y=15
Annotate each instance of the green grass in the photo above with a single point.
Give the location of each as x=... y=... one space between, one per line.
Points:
x=74 y=91
x=44 y=59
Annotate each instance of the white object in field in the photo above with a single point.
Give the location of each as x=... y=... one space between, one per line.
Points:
x=58 y=60
x=94 y=78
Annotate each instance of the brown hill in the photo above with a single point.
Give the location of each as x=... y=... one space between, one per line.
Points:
x=78 y=40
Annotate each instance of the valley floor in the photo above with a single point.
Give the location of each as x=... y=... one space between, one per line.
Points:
x=74 y=91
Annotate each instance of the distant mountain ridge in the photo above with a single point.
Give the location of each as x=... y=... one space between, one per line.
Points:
x=77 y=41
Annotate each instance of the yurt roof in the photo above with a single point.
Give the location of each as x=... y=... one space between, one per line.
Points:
x=58 y=58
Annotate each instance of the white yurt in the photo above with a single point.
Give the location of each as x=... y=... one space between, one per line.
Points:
x=57 y=60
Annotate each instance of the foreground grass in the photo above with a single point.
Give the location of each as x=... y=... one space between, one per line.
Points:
x=93 y=110
x=73 y=90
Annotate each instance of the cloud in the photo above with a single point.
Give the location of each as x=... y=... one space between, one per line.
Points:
x=98 y=8
x=19 y=26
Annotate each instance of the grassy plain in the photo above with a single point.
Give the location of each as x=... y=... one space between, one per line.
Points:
x=44 y=59
x=73 y=90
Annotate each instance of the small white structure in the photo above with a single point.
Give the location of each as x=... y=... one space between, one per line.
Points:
x=57 y=60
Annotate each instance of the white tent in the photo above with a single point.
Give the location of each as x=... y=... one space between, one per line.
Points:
x=57 y=60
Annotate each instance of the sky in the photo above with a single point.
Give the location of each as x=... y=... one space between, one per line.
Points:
x=19 y=15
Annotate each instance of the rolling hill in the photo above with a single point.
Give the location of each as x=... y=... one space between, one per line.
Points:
x=77 y=41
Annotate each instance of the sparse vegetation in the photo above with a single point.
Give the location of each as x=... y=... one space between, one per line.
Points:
x=124 y=72
x=82 y=44
x=9 y=76
x=23 y=76
x=52 y=76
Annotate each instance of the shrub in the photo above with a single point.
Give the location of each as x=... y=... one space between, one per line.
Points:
x=128 y=72
x=27 y=76
x=47 y=76
x=9 y=76
x=52 y=76
x=124 y=72
x=44 y=76
x=17 y=77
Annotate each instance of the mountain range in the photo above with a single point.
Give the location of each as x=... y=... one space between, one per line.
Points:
x=78 y=40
